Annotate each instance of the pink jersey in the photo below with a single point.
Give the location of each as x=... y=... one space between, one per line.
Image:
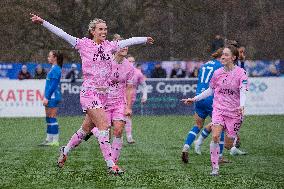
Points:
x=122 y=74
x=138 y=78
x=226 y=86
x=96 y=62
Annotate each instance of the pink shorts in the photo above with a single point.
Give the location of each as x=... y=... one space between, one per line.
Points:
x=230 y=125
x=115 y=112
x=92 y=99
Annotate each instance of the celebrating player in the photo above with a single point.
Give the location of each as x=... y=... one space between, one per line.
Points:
x=96 y=54
x=119 y=104
x=229 y=85
x=203 y=108
x=233 y=146
x=52 y=96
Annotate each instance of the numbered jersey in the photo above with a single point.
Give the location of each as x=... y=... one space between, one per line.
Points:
x=205 y=74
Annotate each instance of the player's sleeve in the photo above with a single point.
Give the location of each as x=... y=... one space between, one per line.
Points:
x=131 y=41
x=212 y=83
x=144 y=90
x=242 y=96
x=244 y=81
x=60 y=33
x=141 y=79
x=130 y=75
x=208 y=92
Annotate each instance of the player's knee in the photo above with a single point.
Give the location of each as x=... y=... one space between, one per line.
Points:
x=199 y=125
x=215 y=138
x=86 y=128
x=117 y=132
x=229 y=142
x=228 y=146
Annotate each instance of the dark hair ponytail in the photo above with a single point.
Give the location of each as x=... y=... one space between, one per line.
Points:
x=59 y=57
x=217 y=54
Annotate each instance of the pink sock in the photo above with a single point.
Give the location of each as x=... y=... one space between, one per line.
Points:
x=214 y=151
x=75 y=140
x=116 y=148
x=96 y=132
x=105 y=146
x=128 y=128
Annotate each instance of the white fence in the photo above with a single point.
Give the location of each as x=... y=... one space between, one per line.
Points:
x=22 y=98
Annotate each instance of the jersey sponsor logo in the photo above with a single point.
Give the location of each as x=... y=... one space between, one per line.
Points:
x=101 y=55
x=226 y=91
x=114 y=84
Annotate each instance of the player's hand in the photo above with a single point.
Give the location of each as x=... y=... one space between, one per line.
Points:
x=242 y=110
x=143 y=100
x=128 y=112
x=150 y=40
x=36 y=19
x=188 y=101
x=45 y=102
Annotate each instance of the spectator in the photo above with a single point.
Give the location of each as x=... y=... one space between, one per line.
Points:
x=177 y=72
x=159 y=72
x=24 y=74
x=73 y=74
x=217 y=43
x=40 y=72
x=194 y=73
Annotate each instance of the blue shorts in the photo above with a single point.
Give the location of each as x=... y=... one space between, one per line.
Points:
x=53 y=103
x=203 y=108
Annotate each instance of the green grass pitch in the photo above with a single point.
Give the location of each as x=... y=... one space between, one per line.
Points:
x=152 y=162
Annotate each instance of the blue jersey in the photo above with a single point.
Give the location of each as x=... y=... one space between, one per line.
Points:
x=52 y=84
x=205 y=74
x=204 y=107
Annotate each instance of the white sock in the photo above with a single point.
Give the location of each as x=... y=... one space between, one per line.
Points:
x=185 y=148
x=49 y=137
x=199 y=140
x=56 y=138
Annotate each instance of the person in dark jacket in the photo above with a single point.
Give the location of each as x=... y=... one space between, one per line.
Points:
x=40 y=72
x=73 y=74
x=159 y=72
x=178 y=72
x=24 y=74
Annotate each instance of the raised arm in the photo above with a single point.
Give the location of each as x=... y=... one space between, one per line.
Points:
x=57 y=31
x=135 y=41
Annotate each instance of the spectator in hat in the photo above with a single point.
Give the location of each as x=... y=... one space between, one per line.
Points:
x=178 y=72
x=24 y=74
x=73 y=74
x=40 y=72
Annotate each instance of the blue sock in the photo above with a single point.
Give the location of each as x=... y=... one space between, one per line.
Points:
x=191 y=135
x=52 y=128
x=205 y=133
x=221 y=144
